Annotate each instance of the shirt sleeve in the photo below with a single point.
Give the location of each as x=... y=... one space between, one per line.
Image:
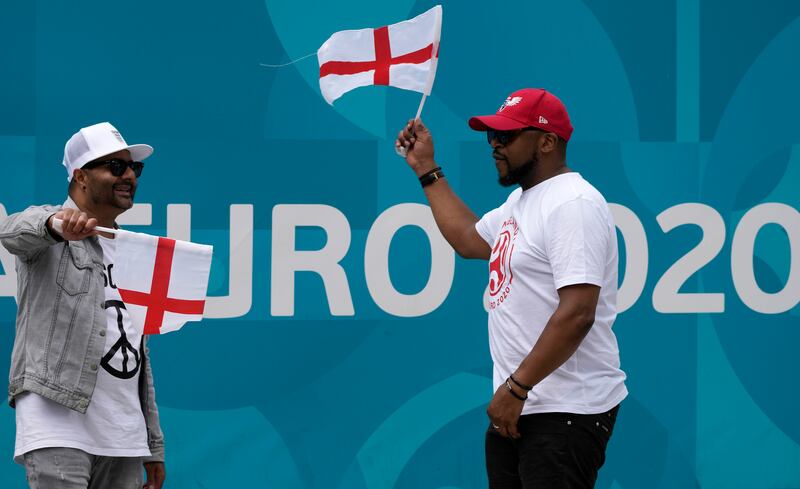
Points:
x=25 y=233
x=577 y=240
x=489 y=224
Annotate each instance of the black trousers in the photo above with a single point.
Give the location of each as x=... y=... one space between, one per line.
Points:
x=555 y=451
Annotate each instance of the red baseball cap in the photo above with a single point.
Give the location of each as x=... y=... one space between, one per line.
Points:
x=529 y=107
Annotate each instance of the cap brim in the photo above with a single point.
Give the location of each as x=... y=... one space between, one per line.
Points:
x=495 y=122
x=140 y=151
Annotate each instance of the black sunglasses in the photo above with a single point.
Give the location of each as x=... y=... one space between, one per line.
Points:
x=118 y=166
x=505 y=137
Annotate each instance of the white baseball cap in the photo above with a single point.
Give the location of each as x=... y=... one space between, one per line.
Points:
x=93 y=142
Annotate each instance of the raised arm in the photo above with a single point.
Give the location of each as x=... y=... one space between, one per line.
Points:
x=455 y=220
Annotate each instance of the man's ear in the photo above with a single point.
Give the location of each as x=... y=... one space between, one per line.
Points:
x=79 y=177
x=548 y=142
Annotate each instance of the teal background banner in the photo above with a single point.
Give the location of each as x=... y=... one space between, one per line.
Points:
x=345 y=346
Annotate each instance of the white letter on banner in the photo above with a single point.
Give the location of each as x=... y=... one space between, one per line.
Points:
x=138 y=215
x=666 y=295
x=636 y=256
x=376 y=262
x=744 y=279
x=286 y=260
x=8 y=281
x=240 y=258
x=179 y=221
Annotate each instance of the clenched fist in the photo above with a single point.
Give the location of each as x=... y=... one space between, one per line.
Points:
x=75 y=225
x=418 y=143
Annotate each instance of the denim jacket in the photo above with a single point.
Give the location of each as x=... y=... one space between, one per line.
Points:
x=61 y=319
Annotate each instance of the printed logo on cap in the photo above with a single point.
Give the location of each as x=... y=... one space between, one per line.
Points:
x=118 y=136
x=509 y=102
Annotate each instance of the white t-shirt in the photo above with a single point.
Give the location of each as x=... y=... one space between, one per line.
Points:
x=113 y=424
x=557 y=233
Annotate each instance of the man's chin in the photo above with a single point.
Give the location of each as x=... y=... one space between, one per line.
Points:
x=123 y=202
x=505 y=181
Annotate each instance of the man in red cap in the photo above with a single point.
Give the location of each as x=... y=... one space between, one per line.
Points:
x=552 y=292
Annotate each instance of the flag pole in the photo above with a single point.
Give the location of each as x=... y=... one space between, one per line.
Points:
x=434 y=64
x=437 y=34
x=402 y=152
x=58 y=225
x=421 y=104
x=106 y=230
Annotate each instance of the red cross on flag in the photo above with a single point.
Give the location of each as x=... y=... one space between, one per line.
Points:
x=402 y=55
x=162 y=281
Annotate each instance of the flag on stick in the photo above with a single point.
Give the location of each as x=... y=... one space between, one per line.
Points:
x=162 y=281
x=402 y=55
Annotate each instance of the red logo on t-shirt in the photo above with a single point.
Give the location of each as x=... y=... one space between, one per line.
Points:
x=500 y=274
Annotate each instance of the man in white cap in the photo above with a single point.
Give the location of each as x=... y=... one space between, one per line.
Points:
x=552 y=253
x=80 y=376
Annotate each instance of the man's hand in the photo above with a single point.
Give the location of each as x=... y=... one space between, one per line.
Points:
x=75 y=225
x=418 y=143
x=156 y=473
x=504 y=411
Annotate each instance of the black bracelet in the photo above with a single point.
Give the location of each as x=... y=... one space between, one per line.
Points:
x=519 y=384
x=431 y=176
x=511 y=390
x=438 y=168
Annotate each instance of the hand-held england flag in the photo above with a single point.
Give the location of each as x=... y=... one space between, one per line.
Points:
x=402 y=55
x=162 y=281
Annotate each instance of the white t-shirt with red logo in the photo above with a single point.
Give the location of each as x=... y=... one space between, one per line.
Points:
x=113 y=424
x=557 y=233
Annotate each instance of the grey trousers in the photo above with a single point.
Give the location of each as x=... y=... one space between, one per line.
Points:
x=70 y=468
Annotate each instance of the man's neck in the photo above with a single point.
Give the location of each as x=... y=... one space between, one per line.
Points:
x=542 y=173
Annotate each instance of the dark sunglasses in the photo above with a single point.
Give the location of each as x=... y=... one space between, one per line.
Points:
x=118 y=166
x=505 y=137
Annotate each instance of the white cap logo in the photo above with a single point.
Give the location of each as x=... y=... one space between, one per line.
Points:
x=509 y=102
x=542 y=120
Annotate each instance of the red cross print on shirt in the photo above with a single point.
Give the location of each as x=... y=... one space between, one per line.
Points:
x=383 y=60
x=156 y=301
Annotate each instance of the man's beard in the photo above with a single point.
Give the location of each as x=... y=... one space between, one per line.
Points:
x=107 y=196
x=515 y=175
